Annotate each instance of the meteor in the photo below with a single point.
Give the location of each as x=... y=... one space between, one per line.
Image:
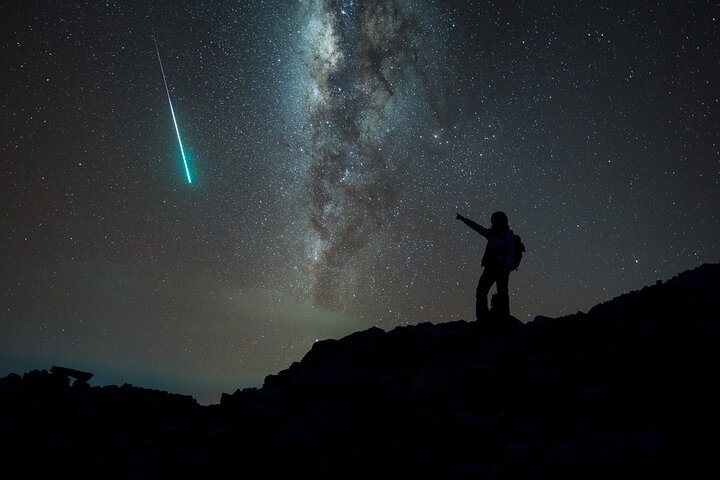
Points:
x=172 y=111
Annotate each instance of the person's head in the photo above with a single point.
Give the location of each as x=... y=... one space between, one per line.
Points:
x=499 y=221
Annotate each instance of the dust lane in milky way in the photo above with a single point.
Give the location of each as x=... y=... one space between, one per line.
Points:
x=358 y=55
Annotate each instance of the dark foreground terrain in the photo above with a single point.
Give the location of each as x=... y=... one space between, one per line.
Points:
x=631 y=389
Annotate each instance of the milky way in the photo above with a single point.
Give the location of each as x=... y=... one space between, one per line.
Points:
x=359 y=55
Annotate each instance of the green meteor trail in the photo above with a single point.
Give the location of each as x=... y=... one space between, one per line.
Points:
x=172 y=111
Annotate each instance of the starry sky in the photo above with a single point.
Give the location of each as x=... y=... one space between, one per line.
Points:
x=331 y=143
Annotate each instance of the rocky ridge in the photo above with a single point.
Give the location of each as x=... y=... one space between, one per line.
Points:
x=629 y=387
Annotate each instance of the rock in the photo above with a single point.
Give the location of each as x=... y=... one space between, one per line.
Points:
x=590 y=454
x=82 y=377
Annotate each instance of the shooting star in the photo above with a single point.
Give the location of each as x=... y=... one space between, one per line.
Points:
x=172 y=111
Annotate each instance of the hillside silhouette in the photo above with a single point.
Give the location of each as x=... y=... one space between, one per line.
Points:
x=630 y=388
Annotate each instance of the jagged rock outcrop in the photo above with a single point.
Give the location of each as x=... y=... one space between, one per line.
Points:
x=632 y=387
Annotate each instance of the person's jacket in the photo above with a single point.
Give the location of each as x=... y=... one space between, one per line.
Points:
x=500 y=248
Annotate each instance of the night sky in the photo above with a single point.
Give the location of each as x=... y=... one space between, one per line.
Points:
x=330 y=145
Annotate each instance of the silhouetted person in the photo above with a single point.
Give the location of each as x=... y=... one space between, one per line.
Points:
x=497 y=260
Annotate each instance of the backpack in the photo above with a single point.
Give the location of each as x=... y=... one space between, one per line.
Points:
x=519 y=249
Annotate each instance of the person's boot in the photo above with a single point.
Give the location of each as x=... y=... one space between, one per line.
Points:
x=500 y=306
x=481 y=310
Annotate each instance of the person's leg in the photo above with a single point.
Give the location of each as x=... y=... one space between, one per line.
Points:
x=503 y=296
x=486 y=280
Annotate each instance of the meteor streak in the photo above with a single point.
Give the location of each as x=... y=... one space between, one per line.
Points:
x=172 y=111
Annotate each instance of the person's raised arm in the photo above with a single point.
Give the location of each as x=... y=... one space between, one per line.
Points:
x=478 y=228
